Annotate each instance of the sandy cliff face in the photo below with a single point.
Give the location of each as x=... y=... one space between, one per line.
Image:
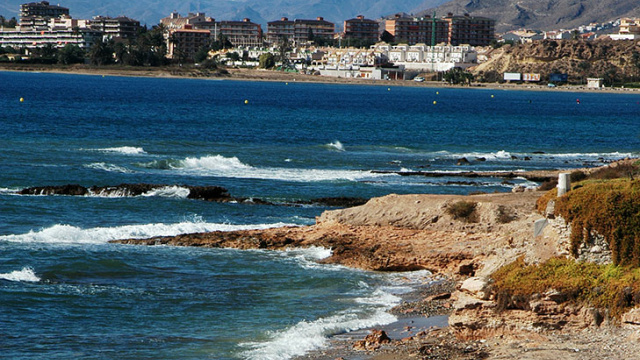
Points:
x=614 y=60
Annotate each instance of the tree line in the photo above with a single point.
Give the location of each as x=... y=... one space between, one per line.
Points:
x=148 y=48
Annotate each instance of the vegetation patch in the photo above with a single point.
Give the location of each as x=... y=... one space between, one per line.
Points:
x=621 y=170
x=610 y=208
x=504 y=215
x=602 y=286
x=464 y=211
x=606 y=202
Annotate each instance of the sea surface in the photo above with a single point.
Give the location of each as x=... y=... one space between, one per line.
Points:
x=66 y=292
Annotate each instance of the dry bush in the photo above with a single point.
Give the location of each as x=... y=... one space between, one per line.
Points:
x=464 y=211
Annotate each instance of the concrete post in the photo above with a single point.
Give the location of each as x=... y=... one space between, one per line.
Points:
x=538 y=226
x=564 y=183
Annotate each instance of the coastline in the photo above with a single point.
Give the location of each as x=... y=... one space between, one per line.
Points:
x=240 y=74
x=414 y=232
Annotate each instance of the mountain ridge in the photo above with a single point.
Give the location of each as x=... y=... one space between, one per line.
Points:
x=541 y=14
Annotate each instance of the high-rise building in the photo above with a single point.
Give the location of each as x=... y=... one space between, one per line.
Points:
x=300 y=30
x=470 y=30
x=242 y=33
x=361 y=29
x=452 y=30
x=305 y=30
x=35 y=16
x=121 y=27
x=280 y=29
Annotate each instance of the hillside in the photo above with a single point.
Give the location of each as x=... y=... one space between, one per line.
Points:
x=151 y=11
x=612 y=60
x=543 y=14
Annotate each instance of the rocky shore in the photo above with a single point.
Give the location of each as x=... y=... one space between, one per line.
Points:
x=415 y=232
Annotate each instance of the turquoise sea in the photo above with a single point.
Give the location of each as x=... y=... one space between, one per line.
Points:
x=66 y=292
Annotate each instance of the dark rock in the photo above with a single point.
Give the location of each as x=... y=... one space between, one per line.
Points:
x=334 y=201
x=462 y=161
x=209 y=193
x=481 y=159
x=372 y=341
x=71 y=189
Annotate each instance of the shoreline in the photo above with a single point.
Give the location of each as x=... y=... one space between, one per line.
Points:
x=415 y=232
x=238 y=74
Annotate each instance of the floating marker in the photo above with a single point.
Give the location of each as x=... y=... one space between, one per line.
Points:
x=286 y=83
x=434 y=102
x=491 y=96
x=437 y=92
x=21 y=99
x=246 y=101
x=388 y=89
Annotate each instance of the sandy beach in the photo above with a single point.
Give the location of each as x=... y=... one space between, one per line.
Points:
x=272 y=75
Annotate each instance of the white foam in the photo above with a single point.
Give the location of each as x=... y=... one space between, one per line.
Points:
x=232 y=167
x=506 y=155
x=26 y=275
x=126 y=150
x=336 y=145
x=9 y=191
x=308 y=258
x=310 y=335
x=169 y=192
x=67 y=234
x=313 y=253
x=109 y=168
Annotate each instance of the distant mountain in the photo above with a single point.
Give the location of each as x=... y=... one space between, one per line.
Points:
x=542 y=14
x=259 y=11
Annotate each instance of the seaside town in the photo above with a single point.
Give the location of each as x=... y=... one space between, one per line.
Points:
x=399 y=47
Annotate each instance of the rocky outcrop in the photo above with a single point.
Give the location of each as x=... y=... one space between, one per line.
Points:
x=206 y=193
x=373 y=341
x=400 y=233
x=477 y=314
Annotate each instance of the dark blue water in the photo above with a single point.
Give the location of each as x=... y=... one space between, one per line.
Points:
x=65 y=292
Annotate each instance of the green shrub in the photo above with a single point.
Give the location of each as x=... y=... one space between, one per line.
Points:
x=612 y=209
x=602 y=286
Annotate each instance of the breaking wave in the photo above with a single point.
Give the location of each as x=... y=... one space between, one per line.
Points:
x=25 y=275
x=109 y=168
x=371 y=311
x=309 y=335
x=232 y=167
x=336 y=145
x=126 y=150
x=506 y=155
x=67 y=234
